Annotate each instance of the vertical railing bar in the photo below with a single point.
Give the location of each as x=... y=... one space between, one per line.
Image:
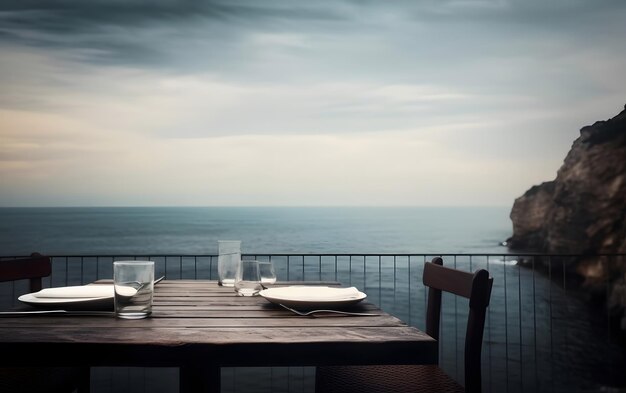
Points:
x=350 y=270
x=364 y=274
x=506 y=326
x=425 y=292
x=380 y=282
x=195 y=267
x=303 y=277
x=550 y=316
x=211 y=267
x=565 y=309
x=51 y=273
x=14 y=295
x=394 y=275
x=519 y=308
x=409 y=268
x=66 y=270
x=608 y=315
x=335 y=267
x=288 y=271
x=490 y=342
x=97 y=267
x=394 y=282
x=82 y=270
x=180 y=266
x=456 y=332
x=275 y=272
x=319 y=264
x=11 y=284
x=535 y=327
x=441 y=325
x=564 y=272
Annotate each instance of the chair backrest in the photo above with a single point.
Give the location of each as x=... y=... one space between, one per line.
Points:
x=32 y=268
x=38 y=379
x=474 y=286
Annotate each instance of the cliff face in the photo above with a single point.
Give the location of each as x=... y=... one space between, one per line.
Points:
x=583 y=209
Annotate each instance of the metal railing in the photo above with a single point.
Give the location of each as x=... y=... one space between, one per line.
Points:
x=544 y=331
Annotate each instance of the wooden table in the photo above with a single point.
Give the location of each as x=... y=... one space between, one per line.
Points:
x=199 y=326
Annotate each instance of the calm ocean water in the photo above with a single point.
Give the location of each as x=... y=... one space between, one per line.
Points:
x=540 y=336
x=195 y=230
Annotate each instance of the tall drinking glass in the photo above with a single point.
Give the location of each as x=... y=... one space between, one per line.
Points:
x=227 y=261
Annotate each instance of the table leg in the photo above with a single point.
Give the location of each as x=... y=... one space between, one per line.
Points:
x=199 y=379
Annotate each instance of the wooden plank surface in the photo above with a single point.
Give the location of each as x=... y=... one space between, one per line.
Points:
x=198 y=321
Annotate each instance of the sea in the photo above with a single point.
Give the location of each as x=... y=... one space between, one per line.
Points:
x=541 y=336
x=196 y=230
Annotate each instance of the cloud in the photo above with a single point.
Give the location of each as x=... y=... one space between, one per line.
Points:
x=142 y=32
x=425 y=42
x=275 y=102
x=171 y=105
x=364 y=169
x=189 y=36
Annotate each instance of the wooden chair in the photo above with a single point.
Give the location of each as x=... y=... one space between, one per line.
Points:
x=409 y=378
x=38 y=379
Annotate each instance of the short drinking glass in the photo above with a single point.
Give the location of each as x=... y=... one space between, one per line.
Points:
x=248 y=280
x=134 y=287
x=266 y=270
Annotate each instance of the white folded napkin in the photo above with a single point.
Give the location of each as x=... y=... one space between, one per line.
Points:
x=79 y=291
x=315 y=293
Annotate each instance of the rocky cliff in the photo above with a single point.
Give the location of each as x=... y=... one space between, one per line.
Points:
x=582 y=211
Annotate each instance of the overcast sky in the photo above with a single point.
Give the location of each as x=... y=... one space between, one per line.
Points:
x=121 y=102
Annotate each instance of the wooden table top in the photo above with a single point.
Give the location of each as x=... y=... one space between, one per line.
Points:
x=198 y=322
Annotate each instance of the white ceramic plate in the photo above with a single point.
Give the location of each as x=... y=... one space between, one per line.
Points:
x=86 y=303
x=311 y=297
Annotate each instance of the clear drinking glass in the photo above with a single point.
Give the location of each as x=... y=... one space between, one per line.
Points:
x=134 y=287
x=266 y=270
x=228 y=261
x=248 y=279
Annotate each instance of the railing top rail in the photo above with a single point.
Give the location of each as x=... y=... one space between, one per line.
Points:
x=510 y=254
